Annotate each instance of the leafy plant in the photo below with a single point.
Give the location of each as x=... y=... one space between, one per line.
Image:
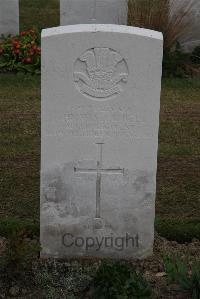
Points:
x=174 y=62
x=179 y=230
x=19 y=253
x=118 y=281
x=21 y=53
x=188 y=279
x=195 y=57
x=191 y=283
x=174 y=267
x=12 y=226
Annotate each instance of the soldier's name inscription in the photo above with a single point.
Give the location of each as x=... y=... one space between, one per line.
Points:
x=100 y=121
x=88 y=120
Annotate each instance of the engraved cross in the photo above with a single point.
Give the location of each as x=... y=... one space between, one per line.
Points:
x=99 y=171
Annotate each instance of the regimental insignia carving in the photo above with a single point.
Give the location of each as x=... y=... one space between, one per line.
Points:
x=100 y=73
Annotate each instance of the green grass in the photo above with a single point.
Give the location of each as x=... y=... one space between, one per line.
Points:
x=39 y=13
x=178 y=230
x=178 y=176
x=20 y=146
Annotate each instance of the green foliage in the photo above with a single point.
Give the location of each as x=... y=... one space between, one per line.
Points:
x=174 y=62
x=11 y=227
x=187 y=279
x=21 y=53
x=178 y=230
x=21 y=248
x=118 y=281
x=195 y=57
x=175 y=267
x=179 y=64
x=191 y=283
x=181 y=85
x=19 y=253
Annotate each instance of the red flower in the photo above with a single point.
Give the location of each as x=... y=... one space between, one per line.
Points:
x=34 y=48
x=17 y=52
x=15 y=42
x=28 y=60
x=1 y=50
x=23 y=33
x=31 y=52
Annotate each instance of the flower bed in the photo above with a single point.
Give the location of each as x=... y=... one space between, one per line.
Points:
x=21 y=53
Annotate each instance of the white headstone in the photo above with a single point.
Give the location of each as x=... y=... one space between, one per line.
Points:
x=93 y=12
x=9 y=17
x=100 y=119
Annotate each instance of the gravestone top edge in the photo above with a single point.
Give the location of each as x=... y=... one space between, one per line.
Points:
x=87 y=28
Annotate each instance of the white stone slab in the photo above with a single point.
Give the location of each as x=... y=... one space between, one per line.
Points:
x=9 y=17
x=93 y=12
x=100 y=120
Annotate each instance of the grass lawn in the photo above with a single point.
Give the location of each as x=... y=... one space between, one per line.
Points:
x=178 y=187
x=20 y=146
x=39 y=13
x=178 y=177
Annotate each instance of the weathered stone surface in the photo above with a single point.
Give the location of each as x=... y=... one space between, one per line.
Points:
x=100 y=121
x=93 y=12
x=9 y=17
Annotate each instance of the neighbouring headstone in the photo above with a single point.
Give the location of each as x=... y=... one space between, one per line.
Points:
x=93 y=11
x=100 y=119
x=9 y=17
